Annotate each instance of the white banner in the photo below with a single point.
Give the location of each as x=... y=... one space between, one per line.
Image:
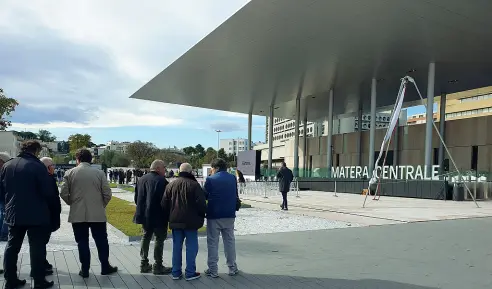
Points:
x=246 y=162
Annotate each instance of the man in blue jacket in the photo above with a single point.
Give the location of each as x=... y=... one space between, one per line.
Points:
x=221 y=193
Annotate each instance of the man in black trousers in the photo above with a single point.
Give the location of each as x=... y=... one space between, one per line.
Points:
x=28 y=197
x=284 y=177
x=149 y=213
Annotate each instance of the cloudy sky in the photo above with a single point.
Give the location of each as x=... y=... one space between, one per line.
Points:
x=73 y=65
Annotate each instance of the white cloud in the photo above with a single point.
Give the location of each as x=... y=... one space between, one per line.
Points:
x=138 y=38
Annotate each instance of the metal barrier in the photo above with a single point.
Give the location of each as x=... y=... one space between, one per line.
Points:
x=267 y=188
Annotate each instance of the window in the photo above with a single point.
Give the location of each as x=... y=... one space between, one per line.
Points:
x=474 y=158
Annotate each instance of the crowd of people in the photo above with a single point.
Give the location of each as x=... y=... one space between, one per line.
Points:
x=30 y=204
x=183 y=205
x=30 y=199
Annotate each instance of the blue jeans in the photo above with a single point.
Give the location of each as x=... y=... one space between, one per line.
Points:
x=4 y=229
x=191 y=237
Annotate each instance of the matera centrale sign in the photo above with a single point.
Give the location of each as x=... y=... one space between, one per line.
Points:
x=386 y=172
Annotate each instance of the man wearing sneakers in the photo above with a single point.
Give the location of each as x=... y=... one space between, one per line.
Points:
x=184 y=204
x=221 y=192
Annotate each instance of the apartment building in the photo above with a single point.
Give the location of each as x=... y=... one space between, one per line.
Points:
x=233 y=145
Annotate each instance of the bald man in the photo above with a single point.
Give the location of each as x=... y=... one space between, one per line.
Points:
x=56 y=211
x=148 y=195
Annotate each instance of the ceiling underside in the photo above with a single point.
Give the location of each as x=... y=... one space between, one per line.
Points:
x=271 y=51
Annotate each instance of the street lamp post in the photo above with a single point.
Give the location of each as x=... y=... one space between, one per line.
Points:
x=218 y=131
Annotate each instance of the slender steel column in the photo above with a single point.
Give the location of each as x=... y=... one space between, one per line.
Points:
x=372 y=130
x=396 y=144
x=429 y=118
x=359 y=135
x=270 y=140
x=296 y=138
x=250 y=128
x=442 y=131
x=329 y=137
x=304 y=146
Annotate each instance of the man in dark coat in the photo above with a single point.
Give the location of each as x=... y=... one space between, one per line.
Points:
x=184 y=203
x=27 y=190
x=149 y=191
x=284 y=177
x=56 y=211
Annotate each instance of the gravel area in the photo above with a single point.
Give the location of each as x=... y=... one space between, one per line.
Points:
x=260 y=221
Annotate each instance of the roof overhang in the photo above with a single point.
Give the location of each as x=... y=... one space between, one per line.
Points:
x=270 y=52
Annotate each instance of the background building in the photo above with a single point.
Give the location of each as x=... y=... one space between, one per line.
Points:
x=234 y=145
x=117 y=146
x=468 y=104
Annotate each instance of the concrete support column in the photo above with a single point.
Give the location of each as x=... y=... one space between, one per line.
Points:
x=296 y=138
x=442 y=131
x=329 y=137
x=250 y=127
x=304 y=146
x=270 y=140
x=372 y=130
x=359 y=135
x=429 y=118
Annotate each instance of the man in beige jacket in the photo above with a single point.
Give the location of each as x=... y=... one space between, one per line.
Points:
x=86 y=190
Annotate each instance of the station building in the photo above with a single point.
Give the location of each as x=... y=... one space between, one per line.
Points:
x=332 y=59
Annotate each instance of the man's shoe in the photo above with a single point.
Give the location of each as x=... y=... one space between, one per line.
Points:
x=161 y=270
x=211 y=274
x=233 y=272
x=178 y=277
x=84 y=273
x=109 y=270
x=193 y=277
x=47 y=272
x=43 y=284
x=15 y=284
x=1 y=271
x=145 y=268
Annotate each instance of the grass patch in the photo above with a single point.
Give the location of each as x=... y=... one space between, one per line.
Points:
x=245 y=206
x=128 y=188
x=113 y=185
x=120 y=214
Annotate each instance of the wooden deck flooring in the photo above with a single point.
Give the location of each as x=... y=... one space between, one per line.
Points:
x=66 y=268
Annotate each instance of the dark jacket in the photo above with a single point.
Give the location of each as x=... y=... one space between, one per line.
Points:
x=27 y=190
x=184 y=203
x=221 y=192
x=56 y=211
x=149 y=191
x=284 y=177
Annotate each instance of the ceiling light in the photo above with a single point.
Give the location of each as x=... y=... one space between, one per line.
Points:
x=412 y=70
x=453 y=80
x=277 y=107
x=261 y=110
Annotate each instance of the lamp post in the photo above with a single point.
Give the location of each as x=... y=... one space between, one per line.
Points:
x=218 y=131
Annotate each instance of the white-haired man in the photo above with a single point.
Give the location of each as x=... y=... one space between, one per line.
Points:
x=184 y=203
x=56 y=211
x=4 y=229
x=149 y=191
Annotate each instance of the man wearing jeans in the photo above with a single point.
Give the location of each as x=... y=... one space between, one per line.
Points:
x=221 y=193
x=184 y=203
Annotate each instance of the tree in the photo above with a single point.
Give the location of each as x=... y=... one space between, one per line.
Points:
x=7 y=106
x=46 y=136
x=78 y=141
x=61 y=160
x=63 y=147
x=141 y=153
x=200 y=150
x=114 y=159
x=222 y=154
x=27 y=135
x=210 y=154
x=189 y=151
x=170 y=157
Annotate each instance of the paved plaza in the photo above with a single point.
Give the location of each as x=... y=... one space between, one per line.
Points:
x=321 y=242
x=452 y=254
